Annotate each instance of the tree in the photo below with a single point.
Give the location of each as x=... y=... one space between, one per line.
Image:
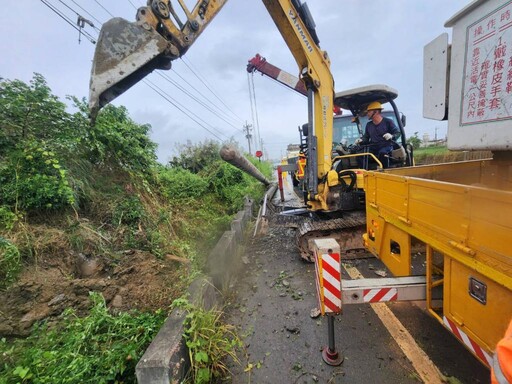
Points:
x=196 y=157
x=47 y=154
x=415 y=141
x=31 y=112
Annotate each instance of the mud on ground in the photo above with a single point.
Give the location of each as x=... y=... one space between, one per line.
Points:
x=271 y=306
x=137 y=280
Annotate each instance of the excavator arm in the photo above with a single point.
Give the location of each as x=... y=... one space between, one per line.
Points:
x=128 y=51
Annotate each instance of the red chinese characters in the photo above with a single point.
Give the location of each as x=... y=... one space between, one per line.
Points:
x=487 y=93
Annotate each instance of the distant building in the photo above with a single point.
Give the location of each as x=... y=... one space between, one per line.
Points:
x=426 y=142
x=293 y=147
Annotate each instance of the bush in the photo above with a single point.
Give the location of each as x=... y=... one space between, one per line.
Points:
x=117 y=140
x=210 y=342
x=231 y=184
x=99 y=348
x=178 y=183
x=129 y=211
x=8 y=218
x=32 y=178
x=195 y=158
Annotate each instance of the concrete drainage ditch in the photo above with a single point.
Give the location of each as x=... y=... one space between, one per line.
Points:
x=166 y=359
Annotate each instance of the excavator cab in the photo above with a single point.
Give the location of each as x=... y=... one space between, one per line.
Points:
x=357 y=100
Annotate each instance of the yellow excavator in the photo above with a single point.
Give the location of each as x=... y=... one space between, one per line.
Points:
x=128 y=51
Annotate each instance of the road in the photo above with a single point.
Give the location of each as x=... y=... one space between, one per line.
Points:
x=381 y=343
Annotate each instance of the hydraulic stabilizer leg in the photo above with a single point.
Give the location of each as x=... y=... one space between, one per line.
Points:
x=329 y=354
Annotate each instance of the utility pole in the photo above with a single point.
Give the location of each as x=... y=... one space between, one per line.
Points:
x=247 y=130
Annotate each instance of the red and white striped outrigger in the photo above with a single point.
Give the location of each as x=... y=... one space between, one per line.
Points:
x=333 y=293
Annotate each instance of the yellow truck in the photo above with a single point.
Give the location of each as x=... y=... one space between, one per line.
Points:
x=458 y=216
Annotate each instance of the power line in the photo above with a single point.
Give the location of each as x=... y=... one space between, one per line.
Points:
x=208 y=87
x=92 y=16
x=204 y=97
x=133 y=5
x=105 y=9
x=196 y=99
x=253 y=89
x=185 y=110
x=67 y=20
x=79 y=16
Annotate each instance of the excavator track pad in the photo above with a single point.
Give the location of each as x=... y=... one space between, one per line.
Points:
x=347 y=231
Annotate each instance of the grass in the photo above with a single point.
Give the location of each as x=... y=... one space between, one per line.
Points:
x=441 y=154
x=99 y=348
x=210 y=342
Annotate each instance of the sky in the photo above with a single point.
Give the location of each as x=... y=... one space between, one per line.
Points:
x=368 y=42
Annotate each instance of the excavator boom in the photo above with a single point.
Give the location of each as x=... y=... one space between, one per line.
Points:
x=126 y=52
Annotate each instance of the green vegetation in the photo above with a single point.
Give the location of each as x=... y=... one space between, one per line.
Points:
x=432 y=150
x=210 y=342
x=414 y=141
x=436 y=154
x=10 y=262
x=68 y=188
x=441 y=154
x=98 y=348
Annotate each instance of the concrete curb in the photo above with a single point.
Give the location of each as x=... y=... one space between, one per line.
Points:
x=166 y=360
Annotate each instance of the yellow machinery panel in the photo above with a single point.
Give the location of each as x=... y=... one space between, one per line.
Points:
x=470 y=222
x=478 y=305
x=490 y=229
x=392 y=245
x=443 y=211
x=461 y=211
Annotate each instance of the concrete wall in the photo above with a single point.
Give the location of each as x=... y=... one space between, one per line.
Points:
x=166 y=360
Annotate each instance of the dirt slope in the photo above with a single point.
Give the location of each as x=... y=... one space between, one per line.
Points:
x=137 y=281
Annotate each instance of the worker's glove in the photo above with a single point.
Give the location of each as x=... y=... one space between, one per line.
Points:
x=387 y=136
x=358 y=141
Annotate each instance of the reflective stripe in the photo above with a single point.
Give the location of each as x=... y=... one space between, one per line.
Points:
x=498 y=373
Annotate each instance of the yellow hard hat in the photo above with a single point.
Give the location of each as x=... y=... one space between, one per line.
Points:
x=374 y=105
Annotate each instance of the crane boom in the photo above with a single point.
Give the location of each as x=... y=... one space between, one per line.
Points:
x=260 y=64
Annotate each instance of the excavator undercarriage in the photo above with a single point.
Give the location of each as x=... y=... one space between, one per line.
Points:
x=347 y=231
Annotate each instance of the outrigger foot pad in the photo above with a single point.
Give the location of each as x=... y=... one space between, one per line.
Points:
x=332 y=357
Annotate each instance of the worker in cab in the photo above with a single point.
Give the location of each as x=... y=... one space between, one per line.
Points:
x=501 y=370
x=379 y=134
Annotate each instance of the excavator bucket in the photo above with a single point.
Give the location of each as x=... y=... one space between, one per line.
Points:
x=125 y=53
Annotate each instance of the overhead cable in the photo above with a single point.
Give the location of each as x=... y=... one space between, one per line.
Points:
x=181 y=108
x=185 y=91
x=67 y=20
x=105 y=9
x=196 y=73
x=205 y=98
x=90 y=15
x=257 y=123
